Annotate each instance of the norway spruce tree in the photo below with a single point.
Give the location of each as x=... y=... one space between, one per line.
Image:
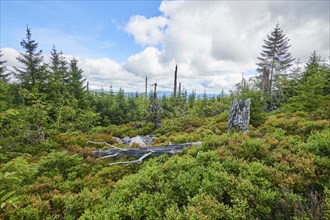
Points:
x=33 y=73
x=59 y=66
x=4 y=86
x=312 y=93
x=313 y=66
x=274 y=59
x=76 y=81
x=3 y=74
x=58 y=74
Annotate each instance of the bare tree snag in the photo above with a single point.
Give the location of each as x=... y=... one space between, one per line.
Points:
x=140 y=153
x=239 y=115
x=155 y=90
x=154 y=109
x=175 y=79
x=146 y=88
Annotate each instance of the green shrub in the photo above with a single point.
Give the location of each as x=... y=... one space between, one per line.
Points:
x=63 y=164
x=319 y=143
x=204 y=206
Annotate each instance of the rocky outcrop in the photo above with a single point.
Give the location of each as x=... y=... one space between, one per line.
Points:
x=142 y=141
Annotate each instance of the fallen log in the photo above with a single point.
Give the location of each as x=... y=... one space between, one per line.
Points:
x=140 y=153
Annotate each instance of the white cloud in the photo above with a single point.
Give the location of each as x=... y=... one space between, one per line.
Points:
x=9 y=55
x=146 y=31
x=104 y=72
x=145 y=63
x=313 y=35
x=212 y=42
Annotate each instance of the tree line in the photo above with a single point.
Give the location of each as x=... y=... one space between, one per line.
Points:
x=49 y=98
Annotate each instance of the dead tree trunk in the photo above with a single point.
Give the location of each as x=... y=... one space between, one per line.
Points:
x=155 y=91
x=175 y=80
x=154 y=110
x=239 y=115
x=140 y=153
x=146 y=88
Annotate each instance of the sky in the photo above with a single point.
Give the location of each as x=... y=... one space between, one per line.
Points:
x=119 y=43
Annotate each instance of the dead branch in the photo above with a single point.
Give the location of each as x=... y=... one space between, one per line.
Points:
x=140 y=153
x=132 y=161
x=105 y=143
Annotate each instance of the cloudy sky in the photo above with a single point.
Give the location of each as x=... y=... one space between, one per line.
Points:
x=119 y=43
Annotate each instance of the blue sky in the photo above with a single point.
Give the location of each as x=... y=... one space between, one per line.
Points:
x=122 y=42
x=96 y=26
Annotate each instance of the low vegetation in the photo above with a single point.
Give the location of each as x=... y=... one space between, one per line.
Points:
x=278 y=169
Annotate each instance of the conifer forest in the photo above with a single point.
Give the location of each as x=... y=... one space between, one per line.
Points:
x=70 y=152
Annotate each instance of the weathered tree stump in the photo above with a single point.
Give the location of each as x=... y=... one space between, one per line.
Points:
x=239 y=116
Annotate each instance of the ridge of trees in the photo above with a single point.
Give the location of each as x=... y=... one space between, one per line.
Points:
x=57 y=88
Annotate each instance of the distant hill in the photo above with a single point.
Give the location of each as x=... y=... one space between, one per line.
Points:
x=159 y=93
